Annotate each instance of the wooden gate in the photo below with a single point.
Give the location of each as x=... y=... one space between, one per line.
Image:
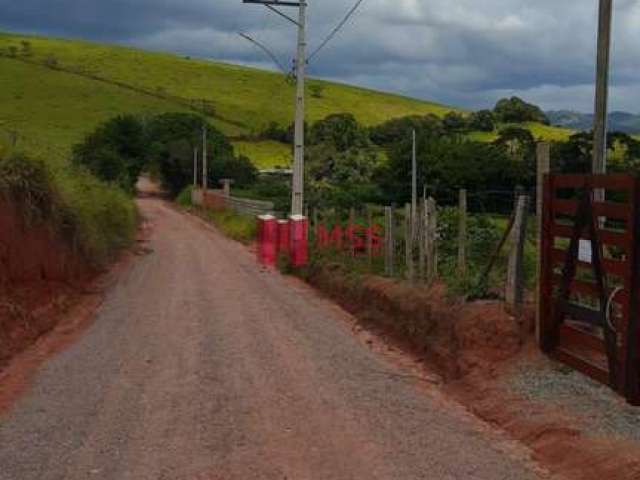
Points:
x=589 y=285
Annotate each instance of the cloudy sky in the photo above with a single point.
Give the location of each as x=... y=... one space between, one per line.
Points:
x=460 y=52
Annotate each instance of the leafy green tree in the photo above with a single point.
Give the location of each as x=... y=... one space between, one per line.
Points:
x=399 y=129
x=483 y=121
x=341 y=130
x=115 y=151
x=516 y=110
x=173 y=138
x=454 y=122
x=447 y=164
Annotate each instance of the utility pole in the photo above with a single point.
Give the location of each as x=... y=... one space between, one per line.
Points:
x=204 y=157
x=602 y=87
x=297 y=194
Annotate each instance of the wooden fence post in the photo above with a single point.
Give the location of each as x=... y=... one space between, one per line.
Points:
x=408 y=240
x=370 y=236
x=422 y=238
x=432 y=241
x=515 y=272
x=462 y=234
x=543 y=168
x=389 y=245
x=352 y=221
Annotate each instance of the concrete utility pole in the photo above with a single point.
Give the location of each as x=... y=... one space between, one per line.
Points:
x=204 y=158
x=602 y=87
x=297 y=194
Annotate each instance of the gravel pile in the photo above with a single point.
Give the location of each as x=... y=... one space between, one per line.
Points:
x=604 y=412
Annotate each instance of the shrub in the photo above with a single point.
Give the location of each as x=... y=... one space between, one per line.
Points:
x=114 y=152
x=96 y=218
x=516 y=110
x=184 y=197
x=242 y=228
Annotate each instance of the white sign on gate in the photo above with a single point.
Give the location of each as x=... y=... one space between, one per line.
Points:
x=585 y=252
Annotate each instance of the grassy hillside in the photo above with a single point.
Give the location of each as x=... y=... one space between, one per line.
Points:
x=51 y=110
x=539 y=131
x=55 y=91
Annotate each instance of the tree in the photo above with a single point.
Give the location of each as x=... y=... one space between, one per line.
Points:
x=115 y=151
x=317 y=90
x=454 y=122
x=447 y=164
x=516 y=110
x=342 y=130
x=399 y=129
x=26 y=50
x=173 y=138
x=483 y=121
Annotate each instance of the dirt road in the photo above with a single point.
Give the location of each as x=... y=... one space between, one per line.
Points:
x=201 y=366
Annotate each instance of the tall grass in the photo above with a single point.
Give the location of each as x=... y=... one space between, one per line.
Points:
x=95 y=218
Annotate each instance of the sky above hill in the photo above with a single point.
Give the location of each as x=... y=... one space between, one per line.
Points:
x=464 y=52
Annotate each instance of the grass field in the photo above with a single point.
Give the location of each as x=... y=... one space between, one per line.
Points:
x=51 y=110
x=538 y=130
x=266 y=154
x=62 y=89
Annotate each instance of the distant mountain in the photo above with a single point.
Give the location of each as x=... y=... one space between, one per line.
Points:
x=618 y=121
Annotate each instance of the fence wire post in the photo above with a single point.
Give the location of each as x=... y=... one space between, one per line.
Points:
x=432 y=240
x=408 y=240
x=389 y=246
x=462 y=234
x=370 y=236
x=543 y=154
x=422 y=237
x=515 y=272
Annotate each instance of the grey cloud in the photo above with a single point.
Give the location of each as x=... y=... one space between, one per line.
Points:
x=465 y=52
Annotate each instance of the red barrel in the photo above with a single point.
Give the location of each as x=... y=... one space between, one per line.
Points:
x=267 y=239
x=298 y=245
x=284 y=233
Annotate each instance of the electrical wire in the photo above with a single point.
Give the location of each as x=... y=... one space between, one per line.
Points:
x=262 y=47
x=335 y=31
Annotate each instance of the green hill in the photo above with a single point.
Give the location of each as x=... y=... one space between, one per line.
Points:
x=53 y=91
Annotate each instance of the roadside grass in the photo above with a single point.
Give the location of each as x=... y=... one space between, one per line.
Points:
x=242 y=228
x=265 y=154
x=96 y=219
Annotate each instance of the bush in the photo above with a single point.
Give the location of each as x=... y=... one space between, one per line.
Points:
x=114 y=152
x=96 y=218
x=516 y=110
x=185 y=196
x=238 y=227
x=174 y=137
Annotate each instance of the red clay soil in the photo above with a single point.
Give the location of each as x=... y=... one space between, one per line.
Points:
x=41 y=317
x=472 y=347
x=39 y=275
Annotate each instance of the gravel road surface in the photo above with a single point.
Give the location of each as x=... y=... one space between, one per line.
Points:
x=202 y=366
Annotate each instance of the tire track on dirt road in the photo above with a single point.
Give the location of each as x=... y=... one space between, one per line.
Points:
x=201 y=365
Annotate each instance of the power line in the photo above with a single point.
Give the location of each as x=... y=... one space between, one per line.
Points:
x=335 y=31
x=265 y=50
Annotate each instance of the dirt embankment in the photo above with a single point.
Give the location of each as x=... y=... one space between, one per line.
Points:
x=39 y=277
x=480 y=353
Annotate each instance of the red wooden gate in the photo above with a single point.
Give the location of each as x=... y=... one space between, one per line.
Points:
x=589 y=287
